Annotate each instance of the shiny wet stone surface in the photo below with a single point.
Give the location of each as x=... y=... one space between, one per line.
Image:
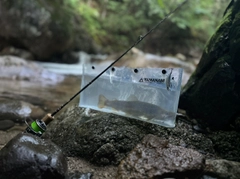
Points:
x=28 y=156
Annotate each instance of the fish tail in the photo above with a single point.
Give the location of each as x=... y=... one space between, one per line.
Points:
x=102 y=101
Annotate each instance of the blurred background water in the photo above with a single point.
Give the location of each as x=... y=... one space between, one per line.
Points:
x=43 y=44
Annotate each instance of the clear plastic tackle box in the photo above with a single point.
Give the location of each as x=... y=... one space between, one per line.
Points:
x=146 y=94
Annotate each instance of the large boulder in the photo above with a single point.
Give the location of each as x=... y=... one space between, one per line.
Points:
x=48 y=29
x=212 y=94
x=28 y=156
x=105 y=139
x=156 y=158
x=15 y=68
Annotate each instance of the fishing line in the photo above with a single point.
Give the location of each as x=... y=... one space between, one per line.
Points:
x=140 y=38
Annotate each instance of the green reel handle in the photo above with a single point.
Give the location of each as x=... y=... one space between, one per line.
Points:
x=38 y=127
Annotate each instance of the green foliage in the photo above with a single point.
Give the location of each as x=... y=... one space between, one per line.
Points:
x=201 y=16
x=91 y=20
x=110 y=22
x=90 y=17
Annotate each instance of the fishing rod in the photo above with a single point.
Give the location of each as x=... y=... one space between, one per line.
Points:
x=38 y=127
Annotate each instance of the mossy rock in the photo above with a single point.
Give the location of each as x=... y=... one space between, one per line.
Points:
x=212 y=94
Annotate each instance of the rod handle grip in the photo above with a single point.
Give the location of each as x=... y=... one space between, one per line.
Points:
x=47 y=118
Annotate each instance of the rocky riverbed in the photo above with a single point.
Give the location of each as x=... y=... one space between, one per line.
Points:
x=104 y=145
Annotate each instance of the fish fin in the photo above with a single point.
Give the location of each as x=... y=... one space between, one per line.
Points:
x=149 y=117
x=132 y=98
x=101 y=101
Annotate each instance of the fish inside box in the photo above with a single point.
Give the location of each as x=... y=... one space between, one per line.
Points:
x=148 y=94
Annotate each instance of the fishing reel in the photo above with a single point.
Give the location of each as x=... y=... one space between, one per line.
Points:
x=38 y=127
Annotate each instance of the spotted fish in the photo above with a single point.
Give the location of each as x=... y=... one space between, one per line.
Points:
x=134 y=108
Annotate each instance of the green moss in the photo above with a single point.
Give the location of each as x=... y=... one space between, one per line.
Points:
x=224 y=25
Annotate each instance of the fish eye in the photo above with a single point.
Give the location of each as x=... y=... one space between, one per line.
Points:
x=113 y=69
x=172 y=78
x=93 y=67
x=164 y=72
x=135 y=70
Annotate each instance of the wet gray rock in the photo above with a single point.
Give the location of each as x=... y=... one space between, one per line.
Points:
x=16 y=68
x=48 y=29
x=222 y=169
x=6 y=136
x=78 y=175
x=102 y=138
x=13 y=51
x=19 y=111
x=156 y=158
x=6 y=124
x=28 y=156
x=105 y=139
x=212 y=94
